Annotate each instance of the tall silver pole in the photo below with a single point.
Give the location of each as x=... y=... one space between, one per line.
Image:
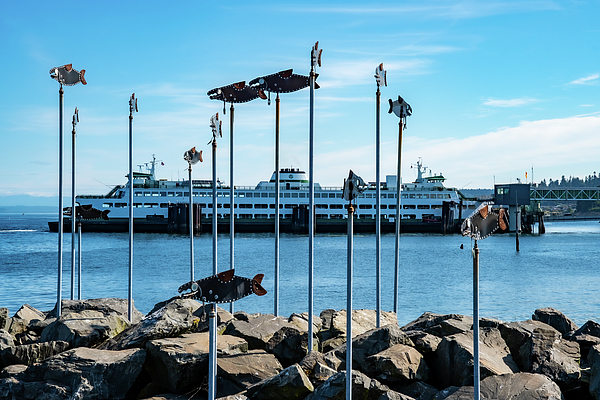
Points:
x=79 y=263
x=191 y=224
x=132 y=108
x=73 y=208
x=398 y=218
x=349 y=274
x=212 y=351
x=60 y=200
x=277 y=188
x=476 y=322
x=231 y=199
x=311 y=207
x=378 y=208
x=214 y=210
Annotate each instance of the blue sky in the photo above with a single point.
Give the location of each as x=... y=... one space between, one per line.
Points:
x=496 y=88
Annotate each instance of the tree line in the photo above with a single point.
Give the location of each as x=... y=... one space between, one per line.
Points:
x=572 y=181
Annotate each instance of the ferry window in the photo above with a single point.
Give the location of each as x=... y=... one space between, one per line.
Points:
x=423 y=206
x=272 y=195
x=419 y=196
x=248 y=194
x=369 y=196
x=163 y=193
x=471 y=207
x=210 y=206
x=303 y=195
x=440 y=196
x=164 y=205
x=170 y=194
x=286 y=195
x=426 y=196
x=261 y=216
x=338 y=195
x=137 y=193
x=202 y=205
x=178 y=194
x=289 y=206
x=409 y=206
x=106 y=205
x=137 y=205
x=361 y=195
x=120 y=204
x=245 y=205
x=436 y=207
x=240 y=194
x=383 y=206
x=226 y=206
x=155 y=194
x=405 y=196
x=446 y=196
x=365 y=206
x=294 y=195
x=392 y=207
x=317 y=195
x=332 y=195
x=411 y=196
x=321 y=215
x=151 y=205
x=264 y=195
x=260 y=206
x=323 y=206
x=336 y=206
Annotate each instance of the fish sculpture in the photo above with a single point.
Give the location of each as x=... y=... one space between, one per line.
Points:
x=315 y=56
x=283 y=82
x=192 y=156
x=224 y=287
x=484 y=221
x=380 y=75
x=68 y=76
x=353 y=186
x=400 y=107
x=87 y=212
x=236 y=93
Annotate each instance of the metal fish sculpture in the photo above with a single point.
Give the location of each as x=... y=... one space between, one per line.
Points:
x=225 y=287
x=236 y=93
x=87 y=212
x=484 y=221
x=283 y=82
x=68 y=76
x=315 y=55
x=380 y=75
x=353 y=186
x=192 y=156
x=400 y=107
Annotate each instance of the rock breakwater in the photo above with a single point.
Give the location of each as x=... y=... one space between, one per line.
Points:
x=93 y=352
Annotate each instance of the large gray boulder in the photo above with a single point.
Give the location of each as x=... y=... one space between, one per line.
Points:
x=316 y=368
x=28 y=313
x=106 y=306
x=363 y=388
x=257 y=331
x=290 y=345
x=290 y=384
x=223 y=317
x=370 y=343
x=334 y=322
x=86 y=328
x=587 y=336
x=454 y=362
x=6 y=340
x=520 y=386
x=181 y=364
x=440 y=325
x=175 y=317
x=594 y=362
x=246 y=369
x=28 y=354
x=555 y=319
x=3 y=318
x=301 y=322
x=399 y=363
x=76 y=374
x=546 y=352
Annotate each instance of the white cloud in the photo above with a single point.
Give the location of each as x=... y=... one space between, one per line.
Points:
x=510 y=103
x=587 y=80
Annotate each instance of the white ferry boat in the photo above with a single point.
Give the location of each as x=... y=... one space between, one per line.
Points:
x=427 y=205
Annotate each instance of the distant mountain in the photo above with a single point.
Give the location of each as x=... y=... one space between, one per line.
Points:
x=29 y=209
x=31 y=201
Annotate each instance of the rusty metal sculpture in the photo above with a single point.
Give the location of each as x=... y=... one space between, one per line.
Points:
x=353 y=186
x=87 y=212
x=282 y=82
x=223 y=287
x=236 y=93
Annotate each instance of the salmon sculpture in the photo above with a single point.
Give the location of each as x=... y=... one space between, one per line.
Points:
x=68 y=76
x=353 y=186
x=87 y=212
x=224 y=287
x=484 y=221
x=236 y=93
x=283 y=82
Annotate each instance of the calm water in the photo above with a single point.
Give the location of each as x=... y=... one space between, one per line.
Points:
x=560 y=269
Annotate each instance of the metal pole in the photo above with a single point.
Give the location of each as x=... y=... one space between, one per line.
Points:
x=231 y=199
x=191 y=224
x=130 y=291
x=212 y=353
x=79 y=263
x=398 y=217
x=60 y=200
x=214 y=210
x=378 y=209
x=349 y=302
x=311 y=207
x=73 y=212
x=277 y=188
x=476 y=322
